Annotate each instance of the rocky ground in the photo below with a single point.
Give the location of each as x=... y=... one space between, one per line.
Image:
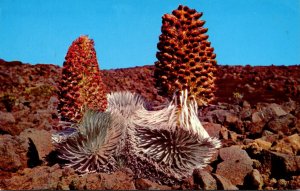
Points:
x=256 y=114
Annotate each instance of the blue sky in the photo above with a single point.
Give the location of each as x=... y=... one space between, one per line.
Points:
x=255 y=32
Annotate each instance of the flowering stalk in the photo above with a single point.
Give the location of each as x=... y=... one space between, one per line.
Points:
x=81 y=87
x=185 y=58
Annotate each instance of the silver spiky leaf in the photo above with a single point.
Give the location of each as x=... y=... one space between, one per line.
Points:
x=172 y=141
x=61 y=136
x=164 y=145
x=174 y=153
x=125 y=102
x=98 y=141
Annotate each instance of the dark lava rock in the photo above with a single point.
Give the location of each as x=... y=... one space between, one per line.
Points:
x=40 y=177
x=294 y=183
x=283 y=123
x=277 y=110
x=13 y=152
x=224 y=184
x=41 y=140
x=205 y=180
x=265 y=114
x=288 y=145
x=7 y=122
x=280 y=165
x=263 y=144
x=212 y=129
x=236 y=165
x=25 y=150
x=254 y=180
x=145 y=184
x=54 y=177
x=115 y=181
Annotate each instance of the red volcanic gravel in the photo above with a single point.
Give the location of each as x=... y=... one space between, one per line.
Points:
x=255 y=114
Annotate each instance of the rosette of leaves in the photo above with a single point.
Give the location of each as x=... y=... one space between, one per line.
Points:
x=96 y=144
x=126 y=103
x=163 y=145
x=81 y=87
x=167 y=145
x=185 y=58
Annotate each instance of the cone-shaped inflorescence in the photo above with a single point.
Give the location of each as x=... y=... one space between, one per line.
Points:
x=81 y=86
x=185 y=57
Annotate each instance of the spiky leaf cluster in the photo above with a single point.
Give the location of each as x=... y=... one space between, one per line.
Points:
x=185 y=58
x=168 y=144
x=95 y=145
x=151 y=143
x=81 y=86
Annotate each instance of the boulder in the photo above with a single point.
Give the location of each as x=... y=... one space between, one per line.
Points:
x=145 y=184
x=277 y=110
x=283 y=123
x=263 y=144
x=45 y=177
x=41 y=177
x=224 y=184
x=41 y=139
x=254 y=180
x=256 y=117
x=205 y=180
x=289 y=106
x=212 y=129
x=294 y=183
x=8 y=123
x=235 y=160
x=280 y=165
x=254 y=129
x=269 y=136
x=288 y=145
x=13 y=152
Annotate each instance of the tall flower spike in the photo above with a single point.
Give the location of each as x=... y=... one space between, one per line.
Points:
x=81 y=86
x=185 y=59
x=95 y=146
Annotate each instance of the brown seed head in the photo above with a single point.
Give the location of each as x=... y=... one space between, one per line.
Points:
x=185 y=55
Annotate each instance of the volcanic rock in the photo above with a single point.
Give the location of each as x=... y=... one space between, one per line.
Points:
x=205 y=180
x=280 y=165
x=117 y=181
x=269 y=136
x=288 y=145
x=7 y=122
x=56 y=178
x=263 y=144
x=145 y=184
x=224 y=133
x=212 y=129
x=235 y=160
x=256 y=117
x=289 y=106
x=36 y=178
x=224 y=184
x=13 y=152
x=254 y=180
x=41 y=140
x=294 y=183
x=277 y=110
x=269 y=113
x=282 y=123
